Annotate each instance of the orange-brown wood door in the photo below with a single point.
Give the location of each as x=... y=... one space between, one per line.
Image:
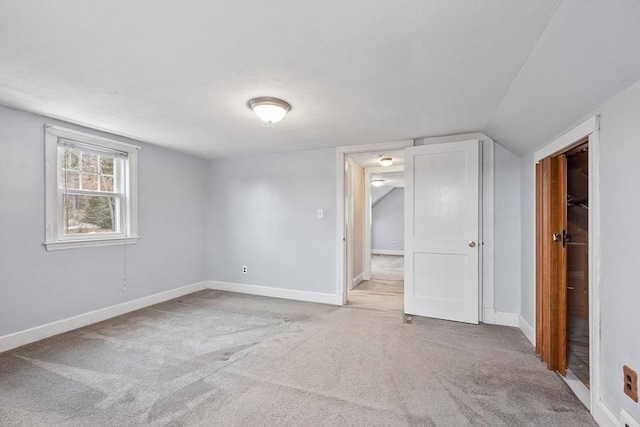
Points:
x=551 y=261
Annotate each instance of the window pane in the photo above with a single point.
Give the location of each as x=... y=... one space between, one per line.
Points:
x=90 y=181
x=106 y=165
x=89 y=214
x=71 y=159
x=106 y=183
x=71 y=179
x=89 y=162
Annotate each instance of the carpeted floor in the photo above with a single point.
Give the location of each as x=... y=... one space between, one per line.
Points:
x=221 y=359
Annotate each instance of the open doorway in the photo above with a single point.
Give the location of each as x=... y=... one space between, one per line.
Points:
x=375 y=210
x=461 y=165
x=385 y=290
x=565 y=239
x=577 y=268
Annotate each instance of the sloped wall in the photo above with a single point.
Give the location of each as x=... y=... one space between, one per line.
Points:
x=387 y=222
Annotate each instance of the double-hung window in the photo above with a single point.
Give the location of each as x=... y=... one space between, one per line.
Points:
x=90 y=190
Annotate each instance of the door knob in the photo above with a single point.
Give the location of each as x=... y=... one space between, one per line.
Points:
x=472 y=244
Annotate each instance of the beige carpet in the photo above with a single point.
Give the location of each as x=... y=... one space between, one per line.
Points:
x=221 y=359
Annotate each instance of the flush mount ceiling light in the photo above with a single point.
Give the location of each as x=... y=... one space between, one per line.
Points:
x=386 y=161
x=377 y=182
x=270 y=110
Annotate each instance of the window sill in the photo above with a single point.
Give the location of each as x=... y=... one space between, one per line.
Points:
x=73 y=244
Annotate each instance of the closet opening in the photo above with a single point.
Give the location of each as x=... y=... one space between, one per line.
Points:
x=562 y=264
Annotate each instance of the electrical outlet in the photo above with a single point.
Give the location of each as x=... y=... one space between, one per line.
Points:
x=630 y=382
x=244 y=269
x=393 y=243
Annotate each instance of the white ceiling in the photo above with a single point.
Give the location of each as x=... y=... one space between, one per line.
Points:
x=589 y=52
x=179 y=74
x=372 y=160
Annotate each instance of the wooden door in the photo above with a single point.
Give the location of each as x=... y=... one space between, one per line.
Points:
x=551 y=256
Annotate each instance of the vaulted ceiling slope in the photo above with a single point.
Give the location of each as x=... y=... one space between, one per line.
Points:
x=179 y=74
x=589 y=52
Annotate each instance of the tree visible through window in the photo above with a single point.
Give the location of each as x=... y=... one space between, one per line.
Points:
x=90 y=190
x=86 y=177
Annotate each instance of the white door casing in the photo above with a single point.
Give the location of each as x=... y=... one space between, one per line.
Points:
x=342 y=206
x=441 y=231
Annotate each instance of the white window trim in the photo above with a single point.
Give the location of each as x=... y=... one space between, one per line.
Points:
x=53 y=232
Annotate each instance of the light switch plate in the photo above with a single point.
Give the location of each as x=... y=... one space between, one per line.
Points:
x=320 y=213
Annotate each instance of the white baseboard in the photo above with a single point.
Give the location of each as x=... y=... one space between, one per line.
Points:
x=506 y=319
x=527 y=330
x=17 y=339
x=600 y=412
x=488 y=316
x=358 y=279
x=265 y=291
x=492 y=317
x=578 y=388
x=386 y=252
x=603 y=415
x=627 y=420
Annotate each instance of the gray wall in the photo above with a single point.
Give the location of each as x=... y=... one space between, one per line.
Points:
x=262 y=214
x=506 y=231
x=387 y=222
x=619 y=243
x=527 y=220
x=378 y=193
x=38 y=287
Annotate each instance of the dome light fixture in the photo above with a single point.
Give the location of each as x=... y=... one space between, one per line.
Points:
x=377 y=182
x=268 y=109
x=386 y=161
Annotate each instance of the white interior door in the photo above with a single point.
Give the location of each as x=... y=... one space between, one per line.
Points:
x=441 y=231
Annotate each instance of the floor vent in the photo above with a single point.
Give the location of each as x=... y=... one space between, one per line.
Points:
x=407 y=319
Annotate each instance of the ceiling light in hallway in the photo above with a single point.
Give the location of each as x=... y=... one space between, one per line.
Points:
x=386 y=161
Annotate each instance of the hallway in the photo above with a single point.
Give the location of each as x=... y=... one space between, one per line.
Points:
x=385 y=290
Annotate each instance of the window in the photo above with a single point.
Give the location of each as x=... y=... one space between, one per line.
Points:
x=90 y=190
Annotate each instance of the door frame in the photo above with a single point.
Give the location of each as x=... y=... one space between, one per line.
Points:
x=487 y=155
x=590 y=129
x=342 y=222
x=348 y=199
